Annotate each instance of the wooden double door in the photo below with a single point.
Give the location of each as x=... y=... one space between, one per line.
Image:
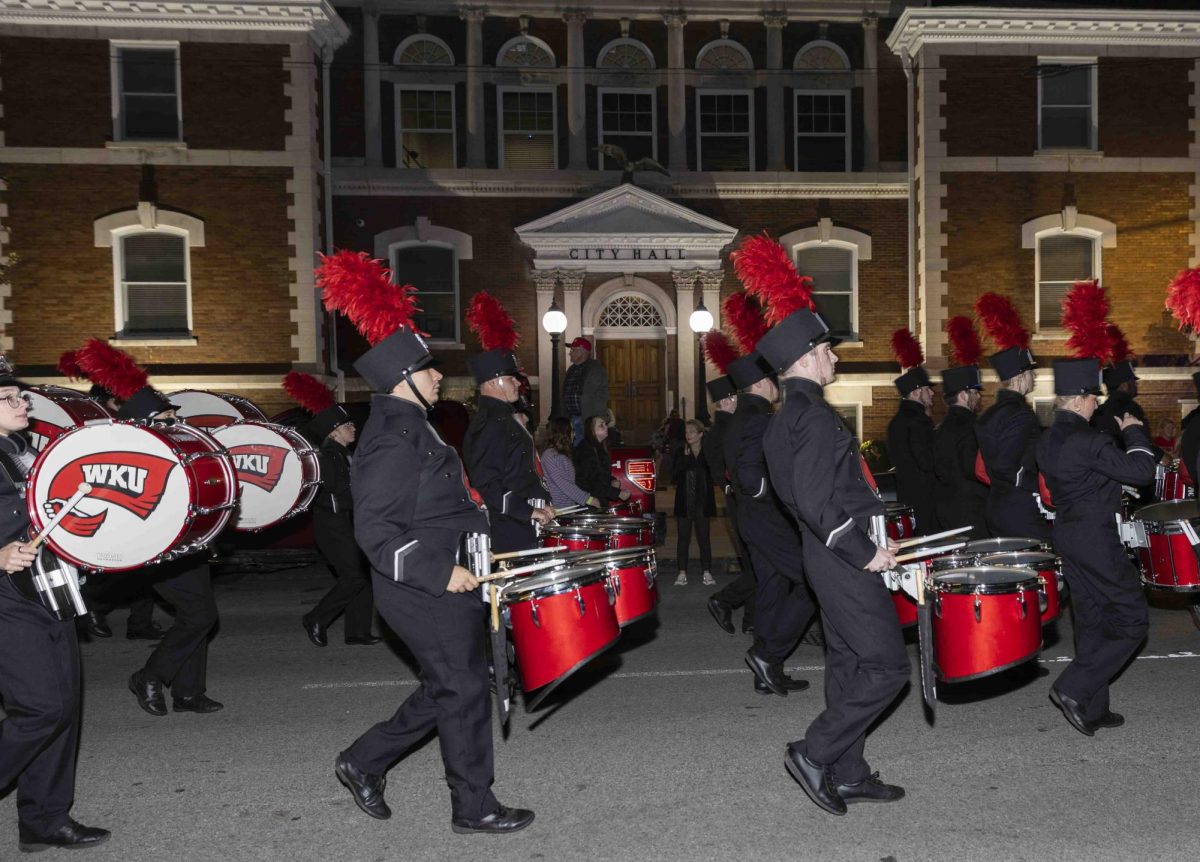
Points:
x=637 y=387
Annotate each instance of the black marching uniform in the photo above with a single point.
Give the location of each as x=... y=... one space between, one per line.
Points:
x=741 y=590
x=961 y=498
x=910 y=447
x=503 y=464
x=1008 y=433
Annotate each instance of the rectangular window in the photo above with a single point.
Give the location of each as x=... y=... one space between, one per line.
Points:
x=1062 y=260
x=145 y=79
x=832 y=269
x=425 y=127
x=154 y=284
x=1067 y=104
x=433 y=270
x=725 y=131
x=822 y=130
x=528 y=129
x=627 y=121
x=850 y=415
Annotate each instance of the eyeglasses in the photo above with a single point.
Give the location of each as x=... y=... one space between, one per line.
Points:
x=15 y=401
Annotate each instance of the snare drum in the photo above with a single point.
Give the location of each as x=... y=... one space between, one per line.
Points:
x=1170 y=483
x=633 y=575
x=985 y=619
x=1170 y=562
x=1008 y=545
x=209 y=410
x=630 y=508
x=1049 y=569
x=560 y=620
x=622 y=532
x=55 y=409
x=158 y=492
x=574 y=537
x=949 y=562
x=278 y=471
x=901 y=522
x=906 y=608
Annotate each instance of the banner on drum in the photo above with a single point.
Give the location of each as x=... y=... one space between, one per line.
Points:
x=134 y=481
x=258 y=464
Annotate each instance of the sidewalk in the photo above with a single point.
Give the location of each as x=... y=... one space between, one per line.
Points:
x=722 y=545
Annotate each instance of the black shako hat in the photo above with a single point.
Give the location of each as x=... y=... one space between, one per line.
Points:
x=492 y=364
x=146 y=403
x=720 y=388
x=747 y=370
x=323 y=424
x=1077 y=377
x=1118 y=373
x=385 y=364
x=792 y=338
x=955 y=380
x=912 y=380
x=1011 y=362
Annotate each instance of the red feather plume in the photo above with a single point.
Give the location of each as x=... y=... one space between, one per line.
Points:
x=745 y=319
x=1183 y=298
x=718 y=350
x=767 y=271
x=307 y=391
x=1085 y=308
x=111 y=368
x=361 y=288
x=68 y=366
x=491 y=322
x=907 y=349
x=965 y=348
x=1117 y=343
x=1001 y=321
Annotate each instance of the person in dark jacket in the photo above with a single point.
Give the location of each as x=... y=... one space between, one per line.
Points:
x=1084 y=470
x=1120 y=380
x=333 y=528
x=961 y=497
x=695 y=501
x=1007 y=433
x=910 y=446
x=593 y=464
x=39 y=664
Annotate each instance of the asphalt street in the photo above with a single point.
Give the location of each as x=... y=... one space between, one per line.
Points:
x=660 y=750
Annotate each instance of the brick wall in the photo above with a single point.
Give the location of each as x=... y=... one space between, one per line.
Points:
x=1143 y=106
x=893 y=103
x=233 y=96
x=991 y=106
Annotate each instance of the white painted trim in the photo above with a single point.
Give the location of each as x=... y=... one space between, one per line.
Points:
x=105 y=227
x=186 y=341
x=725 y=43
x=1093 y=94
x=1054 y=332
x=115 y=240
x=600 y=132
x=822 y=43
x=421 y=37
x=848 y=134
x=500 y=131
x=1033 y=229
x=443 y=88
x=853 y=248
x=624 y=40
x=525 y=37
x=115 y=47
x=749 y=135
x=844 y=235
x=423 y=233
x=606 y=292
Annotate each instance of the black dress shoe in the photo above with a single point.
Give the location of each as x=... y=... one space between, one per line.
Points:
x=95 y=625
x=1073 y=712
x=747 y=627
x=765 y=672
x=722 y=613
x=870 y=789
x=201 y=703
x=314 y=630
x=501 y=820
x=759 y=688
x=365 y=640
x=814 y=780
x=1110 y=719
x=152 y=632
x=149 y=692
x=72 y=836
x=790 y=683
x=367 y=790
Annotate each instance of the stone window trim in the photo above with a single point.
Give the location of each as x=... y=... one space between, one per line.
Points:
x=641 y=288
x=399 y=133
x=115 y=46
x=717 y=55
x=536 y=48
x=848 y=134
x=1094 y=87
x=603 y=60
x=500 y=91
x=424 y=231
x=748 y=93
x=414 y=42
x=817 y=47
x=1102 y=233
x=826 y=233
x=601 y=132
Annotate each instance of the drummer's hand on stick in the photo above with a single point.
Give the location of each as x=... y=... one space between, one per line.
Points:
x=543 y=516
x=461 y=581
x=893 y=545
x=1128 y=419
x=884 y=560
x=16 y=556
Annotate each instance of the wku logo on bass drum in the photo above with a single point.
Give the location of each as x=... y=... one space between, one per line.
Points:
x=134 y=481
x=42 y=432
x=258 y=465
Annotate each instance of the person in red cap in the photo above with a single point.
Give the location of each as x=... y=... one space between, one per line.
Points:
x=585 y=386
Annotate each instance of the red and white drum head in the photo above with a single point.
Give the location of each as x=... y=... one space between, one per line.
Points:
x=277 y=469
x=209 y=410
x=55 y=409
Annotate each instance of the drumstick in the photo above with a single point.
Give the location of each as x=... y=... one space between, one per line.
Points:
x=528 y=552
x=495 y=601
x=916 y=540
x=522 y=570
x=83 y=490
x=569 y=510
x=929 y=552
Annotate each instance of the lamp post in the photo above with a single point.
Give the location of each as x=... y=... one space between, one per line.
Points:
x=555 y=323
x=701 y=322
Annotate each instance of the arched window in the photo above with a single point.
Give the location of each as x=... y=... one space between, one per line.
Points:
x=1067 y=248
x=630 y=310
x=422 y=49
x=427 y=257
x=821 y=55
x=525 y=51
x=722 y=55
x=830 y=255
x=628 y=54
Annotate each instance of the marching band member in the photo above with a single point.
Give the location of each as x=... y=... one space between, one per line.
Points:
x=910 y=433
x=39 y=665
x=413 y=507
x=1084 y=470
x=961 y=498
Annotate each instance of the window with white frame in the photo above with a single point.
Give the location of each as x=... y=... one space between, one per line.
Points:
x=421 y=49
x=145 y=91
x=627 y=121
x=528 y=129
x=1067 y=96
x=153 y=272
x=432 y=268
x=725 y=130
x=833 y=267
x=525 y=51
x=822 y=130
x=626 y=54
x=1062 y=259
x=425 y=127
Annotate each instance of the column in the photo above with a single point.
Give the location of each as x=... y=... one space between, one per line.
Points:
x=546 y=281
x=710 y=284
x=572 y=283
x=871 y=93
x=371 y=83
x=476 y=142
x=576 y=107
x=775 y=22
x=676 y=92
x=685 y=341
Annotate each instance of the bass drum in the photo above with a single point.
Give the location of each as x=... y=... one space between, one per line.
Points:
x=209 y=410
x=277 y=469
x=158 y=492
x=55 y=409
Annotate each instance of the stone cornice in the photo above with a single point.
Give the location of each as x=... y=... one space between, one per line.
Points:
x=917 y=28
x=696 y=10
x=281 y=16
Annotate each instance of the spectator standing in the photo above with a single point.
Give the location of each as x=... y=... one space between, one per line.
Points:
x=695 y=501
x=559 y=468
x=1166 y=437
x=593 y=464
x=585 y=386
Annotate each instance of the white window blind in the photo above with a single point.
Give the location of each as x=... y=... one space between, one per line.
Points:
x=1063 y=259
x=154 y=283
x=527 y=120
x=832 y=271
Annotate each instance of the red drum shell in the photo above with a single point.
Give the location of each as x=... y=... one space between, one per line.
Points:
x=553 y=634
x=211 y=410
x=986 y=619
x=906 y=608
x=901 y=522
x=575 y=538
x=635 y=583
x=641 y=530
x=1170 y=563
x=1170 y=483
x=55 y=409
x=1001 y=545
x=278 y=471
x=630 y=508
x=1048 y=567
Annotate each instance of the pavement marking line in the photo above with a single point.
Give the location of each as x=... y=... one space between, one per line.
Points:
x=658 y=674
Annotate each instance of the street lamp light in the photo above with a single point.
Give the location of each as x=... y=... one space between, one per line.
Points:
x=555 y=323
x=701 y=322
